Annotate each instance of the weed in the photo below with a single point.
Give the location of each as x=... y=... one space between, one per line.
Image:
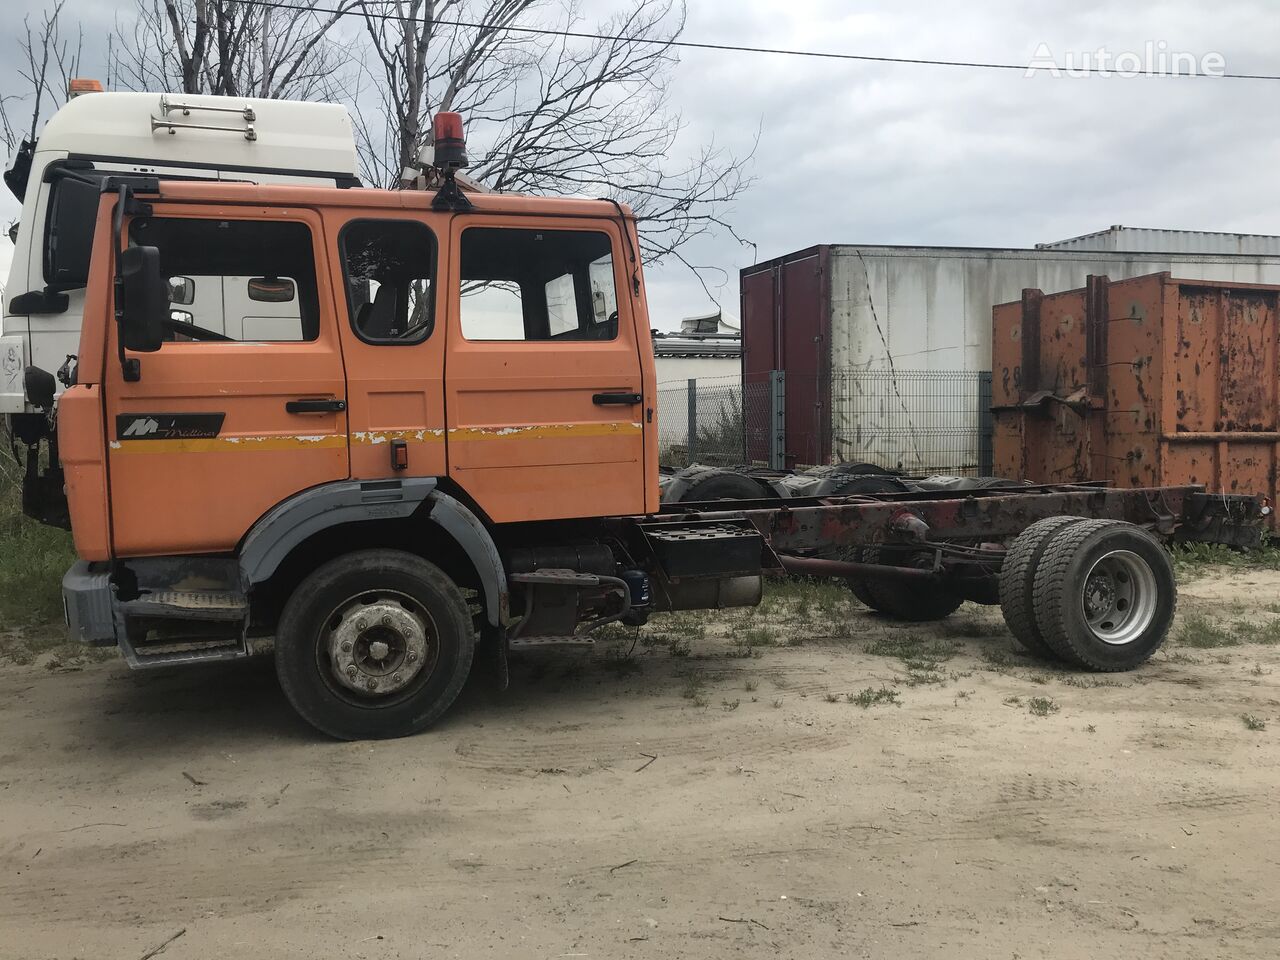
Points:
x=750 y=686
x=996 y=656
x=729 y=705
x=759 y=637
x=679 y=648
x=1014 y=701
x=694 y=683
x=871 y=696
x=699 y=701
x=777 y=703
x=964 y=694
x=1088 y=683
x=1253 y=723
x=1257 y=670
x=1189 y=558
x=621 y=661
x=1041 y=706
x=1202 y=633
x=744 y=651
x=1091 y=729
x=1039 y=678
x=831 y=697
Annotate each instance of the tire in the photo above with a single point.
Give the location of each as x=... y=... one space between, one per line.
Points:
x=849 y=485
x=903 y=600
x=722 y=485
x=1104 y=595
x=852 y=467
x=421 y=617
x=1017 y=582
x=857 y=586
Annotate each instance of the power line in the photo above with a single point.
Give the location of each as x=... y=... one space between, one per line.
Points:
x=359 y=10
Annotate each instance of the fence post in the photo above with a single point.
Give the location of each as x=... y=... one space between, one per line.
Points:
x=691 y=441
x=986 y=454
x=777 y=419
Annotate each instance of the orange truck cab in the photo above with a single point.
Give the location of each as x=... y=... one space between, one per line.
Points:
x=388 y=429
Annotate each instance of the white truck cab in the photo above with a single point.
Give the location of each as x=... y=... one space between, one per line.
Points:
x=174 y=136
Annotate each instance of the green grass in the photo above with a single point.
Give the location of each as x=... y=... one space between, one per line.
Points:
x=1191 y=558
x=33 y=559
x=871 y=696
x=1041 y=706
x=1200 y=632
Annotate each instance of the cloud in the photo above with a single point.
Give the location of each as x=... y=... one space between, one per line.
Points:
x=868 y=153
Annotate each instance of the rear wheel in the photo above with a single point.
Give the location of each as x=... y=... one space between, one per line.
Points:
x=374 y=644
x=857 y=586
x=1104 y=595
x=1017 y=581
x=913 y=601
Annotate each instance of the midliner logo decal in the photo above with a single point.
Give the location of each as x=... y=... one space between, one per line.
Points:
x=168 y=426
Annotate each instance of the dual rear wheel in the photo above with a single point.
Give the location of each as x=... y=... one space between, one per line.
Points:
x=1096 y=594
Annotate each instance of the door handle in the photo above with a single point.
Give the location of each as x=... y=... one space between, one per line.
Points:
x=315 y=406
x=622 y=399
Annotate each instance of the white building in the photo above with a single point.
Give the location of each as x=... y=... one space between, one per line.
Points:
x=708 y=347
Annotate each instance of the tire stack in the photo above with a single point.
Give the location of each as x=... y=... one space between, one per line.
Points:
x=1096 y=594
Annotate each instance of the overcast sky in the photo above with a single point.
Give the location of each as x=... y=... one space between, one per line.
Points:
x=866 y=153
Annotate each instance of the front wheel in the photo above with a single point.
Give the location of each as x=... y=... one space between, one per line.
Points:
x=374 y=644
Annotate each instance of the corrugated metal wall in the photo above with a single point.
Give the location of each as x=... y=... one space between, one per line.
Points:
x=1147 y=240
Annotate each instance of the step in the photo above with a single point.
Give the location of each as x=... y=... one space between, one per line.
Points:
x=524 y=643
x=202 y=650
x=188 y=605
x=218 y=619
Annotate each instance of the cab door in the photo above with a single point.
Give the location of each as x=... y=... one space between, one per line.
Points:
x=219 y=428
x=544 y=393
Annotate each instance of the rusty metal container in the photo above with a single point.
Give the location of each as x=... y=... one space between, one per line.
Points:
x=1145 y=382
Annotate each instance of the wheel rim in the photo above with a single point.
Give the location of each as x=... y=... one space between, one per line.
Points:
x=1119 y=597
x=377 y=647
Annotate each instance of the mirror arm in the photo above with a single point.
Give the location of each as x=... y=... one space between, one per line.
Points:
x=130 y=367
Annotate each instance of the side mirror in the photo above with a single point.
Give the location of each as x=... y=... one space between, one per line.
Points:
x=182 y=290
x=145 y=296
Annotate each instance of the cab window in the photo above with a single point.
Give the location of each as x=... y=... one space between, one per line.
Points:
x=247 y=280
x=389 y=266
x=537 y=285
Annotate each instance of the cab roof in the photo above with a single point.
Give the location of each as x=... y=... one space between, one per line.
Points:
x=289 y=135
x=276 y=195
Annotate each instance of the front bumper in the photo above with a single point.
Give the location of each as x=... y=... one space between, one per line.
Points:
x=87 y=603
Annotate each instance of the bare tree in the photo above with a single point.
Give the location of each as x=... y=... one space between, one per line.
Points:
x=49 y=60
x=546 y=112
x=234 y=48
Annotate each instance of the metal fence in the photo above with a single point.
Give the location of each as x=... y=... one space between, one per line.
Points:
x=711 y=420
x=916 y=421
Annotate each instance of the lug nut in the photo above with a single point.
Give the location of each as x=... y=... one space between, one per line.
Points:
x=386 y=621
x=360 y=624
x=395 y=678
x=412 y=657
x=346 y=646
x=372 y=684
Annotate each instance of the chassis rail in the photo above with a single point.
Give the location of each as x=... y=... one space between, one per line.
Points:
x=1184 y=513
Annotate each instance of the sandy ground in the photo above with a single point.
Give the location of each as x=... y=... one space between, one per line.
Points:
x=1134 y=818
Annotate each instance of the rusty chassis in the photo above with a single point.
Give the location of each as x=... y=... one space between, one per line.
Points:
x=799 y=531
